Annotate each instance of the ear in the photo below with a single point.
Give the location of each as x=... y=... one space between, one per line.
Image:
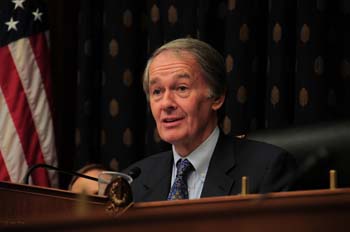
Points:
x=217 y=103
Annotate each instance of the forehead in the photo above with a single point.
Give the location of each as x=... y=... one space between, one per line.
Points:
x=172 y=62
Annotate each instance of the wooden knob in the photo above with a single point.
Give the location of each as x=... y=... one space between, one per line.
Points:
x=332 y=179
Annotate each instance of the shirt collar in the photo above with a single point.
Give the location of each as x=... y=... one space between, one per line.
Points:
x=201 y=156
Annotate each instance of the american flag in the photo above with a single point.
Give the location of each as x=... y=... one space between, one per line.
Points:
x=26 y=124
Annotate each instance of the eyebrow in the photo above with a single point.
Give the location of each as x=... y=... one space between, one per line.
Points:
x=182 y=75
x=154 y=81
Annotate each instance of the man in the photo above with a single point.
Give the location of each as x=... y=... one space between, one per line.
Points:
x=185 y=83
x=83 y=185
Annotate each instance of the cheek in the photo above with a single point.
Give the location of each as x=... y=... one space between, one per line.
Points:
x=199 y=112
x=195 y=113
x=154 y=110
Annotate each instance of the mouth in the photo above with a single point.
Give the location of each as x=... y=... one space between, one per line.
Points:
x=172 y=121
x=166 y=120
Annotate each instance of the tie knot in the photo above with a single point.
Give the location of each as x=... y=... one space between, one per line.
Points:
x=183 y=167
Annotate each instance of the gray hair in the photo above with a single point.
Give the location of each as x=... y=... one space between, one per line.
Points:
x=209 y=60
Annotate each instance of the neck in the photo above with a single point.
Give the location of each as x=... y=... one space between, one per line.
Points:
x=184 y=149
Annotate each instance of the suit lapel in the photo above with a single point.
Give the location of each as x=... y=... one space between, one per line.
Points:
x=217 y=182
x=157 y=186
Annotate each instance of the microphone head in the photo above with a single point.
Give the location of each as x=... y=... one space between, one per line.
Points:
x=134 y=172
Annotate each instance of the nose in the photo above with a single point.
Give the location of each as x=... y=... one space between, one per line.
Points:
x=168 y=102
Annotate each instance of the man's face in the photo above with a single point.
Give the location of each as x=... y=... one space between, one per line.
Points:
x=180 y=103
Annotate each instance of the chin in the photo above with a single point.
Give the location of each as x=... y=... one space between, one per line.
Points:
x=171 y=138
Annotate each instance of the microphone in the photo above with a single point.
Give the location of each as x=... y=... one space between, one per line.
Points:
x=134 y=172
x=46 y=166
x=311 y=161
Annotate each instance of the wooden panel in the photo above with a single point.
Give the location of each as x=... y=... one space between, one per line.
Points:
x=318 y=210
x=19 y=203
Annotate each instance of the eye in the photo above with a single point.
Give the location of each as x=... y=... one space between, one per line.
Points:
x=156 y=92
x=182 y=88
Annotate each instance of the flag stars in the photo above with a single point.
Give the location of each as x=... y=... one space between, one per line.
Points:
x=18 y=3
x=12 y=24
x=37 y=15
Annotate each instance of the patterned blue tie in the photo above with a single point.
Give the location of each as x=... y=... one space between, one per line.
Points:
x=179 y=189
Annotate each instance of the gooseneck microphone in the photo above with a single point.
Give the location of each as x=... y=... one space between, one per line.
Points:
x=46 y=166
x=134 y=172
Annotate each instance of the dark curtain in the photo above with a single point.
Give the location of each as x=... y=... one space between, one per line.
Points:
x=287 y=64
x=110 y=102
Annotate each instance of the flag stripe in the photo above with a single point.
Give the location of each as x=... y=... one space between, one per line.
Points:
x=40 y=48
x=4 y=175
x=19 y=109
x=31 y=79
x=14 y=160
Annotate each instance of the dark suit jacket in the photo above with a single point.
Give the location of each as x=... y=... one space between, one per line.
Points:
x=264 y=164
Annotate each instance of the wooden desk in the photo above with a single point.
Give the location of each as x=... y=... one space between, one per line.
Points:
x=19 y=203
x=317 y=210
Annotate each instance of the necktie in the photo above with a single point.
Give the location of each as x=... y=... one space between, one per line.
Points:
x=179 y=189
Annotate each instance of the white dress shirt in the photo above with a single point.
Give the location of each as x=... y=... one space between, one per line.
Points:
x=200 y=159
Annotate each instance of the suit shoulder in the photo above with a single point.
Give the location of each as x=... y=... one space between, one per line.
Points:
x=259 y=151
x=258 y=145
